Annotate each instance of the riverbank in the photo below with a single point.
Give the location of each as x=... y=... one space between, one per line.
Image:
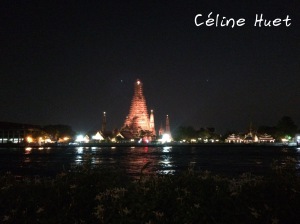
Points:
x=135 y=144
x=108 y=196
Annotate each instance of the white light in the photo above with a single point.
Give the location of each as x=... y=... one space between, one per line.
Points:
x=48 y=140
x=166 y=148
x=79 y=149
x=166 y=138
x=97 y=136
x=79 y=138
x=86 y=139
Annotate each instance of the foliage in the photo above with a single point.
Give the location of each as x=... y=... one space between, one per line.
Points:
x=88 y=195
x=58 y=131
x=189 y=132
x=267 y=130
x=185 y=133
x=286 y=126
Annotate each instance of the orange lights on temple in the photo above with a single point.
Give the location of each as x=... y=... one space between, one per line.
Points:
x=138 y=123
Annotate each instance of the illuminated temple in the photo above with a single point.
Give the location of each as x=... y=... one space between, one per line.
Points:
x=138 y=120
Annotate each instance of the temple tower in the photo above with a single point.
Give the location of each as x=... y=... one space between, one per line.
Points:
x=168 y=125
x=138 y=118
x=103 y=128
x=161 y=130
x=152 y=126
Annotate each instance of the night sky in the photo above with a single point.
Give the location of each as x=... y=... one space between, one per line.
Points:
x=65 y=62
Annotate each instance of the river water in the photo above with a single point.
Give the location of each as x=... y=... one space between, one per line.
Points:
x=224 y=160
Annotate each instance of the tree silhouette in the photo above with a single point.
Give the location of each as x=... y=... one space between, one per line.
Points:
x=286 y=126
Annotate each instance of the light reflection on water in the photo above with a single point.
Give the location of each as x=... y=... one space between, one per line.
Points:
x=167 y=149
x=28 y=150
x=166 y=161
x=163 y=160
x=27 y=160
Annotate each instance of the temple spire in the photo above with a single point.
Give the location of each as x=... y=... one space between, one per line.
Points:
x=161 y=130
x=152 y=126
x=103 y=128
x=138 y=118
x=168 y=125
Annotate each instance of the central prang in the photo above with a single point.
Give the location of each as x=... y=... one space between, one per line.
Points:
x=138 y=121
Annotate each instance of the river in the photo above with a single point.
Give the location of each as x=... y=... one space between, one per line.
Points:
x=229 y=160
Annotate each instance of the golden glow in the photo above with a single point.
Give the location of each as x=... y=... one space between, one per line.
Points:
x=113 y=139
x=48 y=140
x=29 y=139
x=284 y=140
x=138 y=82
x=98 y=136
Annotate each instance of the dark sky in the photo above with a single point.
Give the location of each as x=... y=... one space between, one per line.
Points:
x=65 y=62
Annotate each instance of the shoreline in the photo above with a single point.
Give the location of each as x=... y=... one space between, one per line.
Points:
x=172 y=144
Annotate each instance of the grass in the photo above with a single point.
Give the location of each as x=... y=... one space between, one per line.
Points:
x=88 y=195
